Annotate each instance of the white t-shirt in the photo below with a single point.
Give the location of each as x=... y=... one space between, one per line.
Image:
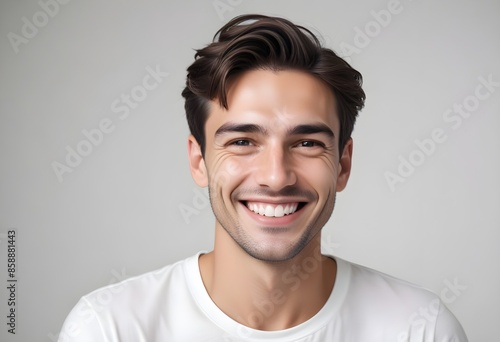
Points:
x=171 y=304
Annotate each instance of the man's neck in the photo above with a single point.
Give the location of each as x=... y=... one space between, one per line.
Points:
x=263 y=295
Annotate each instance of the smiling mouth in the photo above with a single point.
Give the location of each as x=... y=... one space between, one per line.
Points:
x=274 y=210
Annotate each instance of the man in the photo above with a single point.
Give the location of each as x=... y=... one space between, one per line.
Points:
x=271 y=114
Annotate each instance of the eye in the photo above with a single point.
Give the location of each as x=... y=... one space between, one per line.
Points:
x=310 y=143
x=240 y=146
x=241 y=142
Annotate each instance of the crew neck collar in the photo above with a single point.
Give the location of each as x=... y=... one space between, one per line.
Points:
x=240 y=331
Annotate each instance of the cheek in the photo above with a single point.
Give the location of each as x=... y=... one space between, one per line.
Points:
x=233 y=167
x=227 y=172
x=320 y=175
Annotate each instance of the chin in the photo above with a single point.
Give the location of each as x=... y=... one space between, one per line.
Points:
x=274 y=253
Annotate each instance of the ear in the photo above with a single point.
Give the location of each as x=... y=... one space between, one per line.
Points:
x=345 y=166
x=197 y=162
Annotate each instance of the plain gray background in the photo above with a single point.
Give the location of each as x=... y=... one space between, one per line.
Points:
x=119 y=212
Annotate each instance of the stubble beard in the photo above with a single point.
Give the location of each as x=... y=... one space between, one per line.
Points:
x=254 y=249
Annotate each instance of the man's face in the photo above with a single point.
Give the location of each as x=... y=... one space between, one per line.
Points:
x=271 y=161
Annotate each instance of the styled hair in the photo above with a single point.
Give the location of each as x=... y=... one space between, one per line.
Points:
x=253 y=41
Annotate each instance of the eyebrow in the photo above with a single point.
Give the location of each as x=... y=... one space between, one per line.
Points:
x=311 y=129
x=230 y=127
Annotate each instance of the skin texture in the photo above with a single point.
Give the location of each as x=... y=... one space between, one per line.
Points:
x=277 y=144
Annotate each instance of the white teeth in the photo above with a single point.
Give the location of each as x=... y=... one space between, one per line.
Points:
x=262 y=210
x=273 y=211
x=269 y=211
x=287 y=210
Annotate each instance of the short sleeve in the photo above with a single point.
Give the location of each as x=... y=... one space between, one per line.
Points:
x=448 y=329
x=82 y=325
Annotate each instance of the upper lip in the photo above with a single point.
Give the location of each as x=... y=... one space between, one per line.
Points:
x=274 y=200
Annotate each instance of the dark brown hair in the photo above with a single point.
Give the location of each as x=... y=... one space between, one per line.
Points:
x=253 y=41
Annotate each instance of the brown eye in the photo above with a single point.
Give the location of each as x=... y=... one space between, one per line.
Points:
x=308 y=143
x=241 y=142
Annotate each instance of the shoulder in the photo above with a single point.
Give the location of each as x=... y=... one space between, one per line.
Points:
x=144 y=285
x=365 y=280
x=384 y=300
x=126 y=302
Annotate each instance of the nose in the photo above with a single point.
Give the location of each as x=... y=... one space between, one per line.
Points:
x=274 y=169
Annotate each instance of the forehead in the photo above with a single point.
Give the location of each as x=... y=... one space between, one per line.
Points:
x=287 y=97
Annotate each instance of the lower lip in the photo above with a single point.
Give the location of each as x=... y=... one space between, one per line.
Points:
x=273 y=221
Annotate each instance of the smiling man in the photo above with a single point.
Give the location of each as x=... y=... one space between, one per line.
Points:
x=271 y=114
